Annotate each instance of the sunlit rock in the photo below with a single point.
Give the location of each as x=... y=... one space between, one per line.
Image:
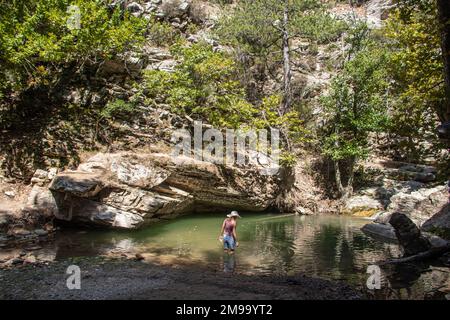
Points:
x=130 y=190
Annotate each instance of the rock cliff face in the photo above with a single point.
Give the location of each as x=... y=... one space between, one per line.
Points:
x=427 y=208
x=127 y=190
x=402 y=188
x=377 y=11
x=420 y=205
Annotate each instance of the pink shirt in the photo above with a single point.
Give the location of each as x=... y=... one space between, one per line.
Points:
x=229 y=227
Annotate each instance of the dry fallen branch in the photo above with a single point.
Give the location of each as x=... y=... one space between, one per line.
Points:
x=426 y=255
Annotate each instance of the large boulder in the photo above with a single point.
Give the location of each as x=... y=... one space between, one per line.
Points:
x=43 y=201
x=130 y=63
x=380 y=231
x=83 y=184
x=361 y=204
x=409 y=235
x=419 y=205
x=127 y=190
x=170 y=9
x=379 y=197
x=419 y=173
x=135 y=8
x=440 y=222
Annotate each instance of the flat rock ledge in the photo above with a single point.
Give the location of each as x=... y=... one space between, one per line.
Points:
x=380 y=231
x=128 y=191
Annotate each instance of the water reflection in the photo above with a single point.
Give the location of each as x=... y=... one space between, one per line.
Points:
x=229 y=263
x=331 y=247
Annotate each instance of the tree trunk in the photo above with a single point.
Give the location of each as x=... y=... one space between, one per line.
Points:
x=287 y=94
x=347 y=191
x=338 y=179
x=351 y=174
x=444 y=19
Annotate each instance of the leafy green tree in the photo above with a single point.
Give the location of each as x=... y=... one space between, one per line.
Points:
x=37 y=43
x=417 y=70
x=444 y=21
x=434 y=19
x=205 y=86
x=264 y=29
x=356 y=106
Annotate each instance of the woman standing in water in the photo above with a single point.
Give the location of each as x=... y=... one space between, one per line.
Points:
x=228 y=232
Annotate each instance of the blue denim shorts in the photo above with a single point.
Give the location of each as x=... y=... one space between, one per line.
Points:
x=228 y=242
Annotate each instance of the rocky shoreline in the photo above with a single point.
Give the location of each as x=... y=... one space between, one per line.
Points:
x=130 y=279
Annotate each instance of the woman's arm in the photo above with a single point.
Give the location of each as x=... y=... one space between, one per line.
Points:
x=221 y=230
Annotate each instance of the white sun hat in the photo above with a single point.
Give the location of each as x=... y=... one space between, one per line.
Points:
x=233 y=214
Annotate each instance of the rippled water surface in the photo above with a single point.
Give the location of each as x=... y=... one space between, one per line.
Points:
x=331 y=247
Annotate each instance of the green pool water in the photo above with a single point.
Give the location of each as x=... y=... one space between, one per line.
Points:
x=326 y=246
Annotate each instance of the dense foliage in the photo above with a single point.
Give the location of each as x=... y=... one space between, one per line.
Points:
x=252 y=26
x=205 y=86
x=262 y=33
x=356 y=103
x=357 y=100
x=38 y=42
x=386 y=83
x=392 y=83
x=418 y=80
x=204 y=83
